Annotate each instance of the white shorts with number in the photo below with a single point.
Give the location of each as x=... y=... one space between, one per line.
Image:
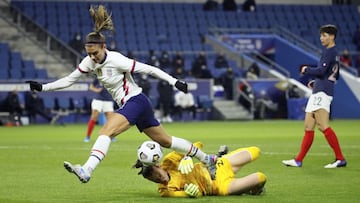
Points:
x=102 y=106
x=318 y=101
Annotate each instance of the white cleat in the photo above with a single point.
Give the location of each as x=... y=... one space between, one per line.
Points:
x=81 y=173
x=292 y=162
x=336 y=164
x=87 y=139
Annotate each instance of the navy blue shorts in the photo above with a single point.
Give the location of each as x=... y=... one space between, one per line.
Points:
x=138 y=111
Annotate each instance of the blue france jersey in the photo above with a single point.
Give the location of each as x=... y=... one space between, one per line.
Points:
x=326 y=73
x=104 y=95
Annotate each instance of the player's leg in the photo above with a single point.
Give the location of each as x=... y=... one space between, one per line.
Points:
x=252 y=184
x=322 y=118
x=95 y=111
x=242 y=156
x=142 y=115
x=91 y=124
x=108 y=109
x=116 y=124
x=308 y=138
x=309 y=125
x=158 y=134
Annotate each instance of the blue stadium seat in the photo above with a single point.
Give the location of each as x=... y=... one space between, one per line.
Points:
x=4 y=74
x=49 y=102
x=41 y=73
x=16 y=60
x=181 y=19
x=16 y=64
x=62 y=103
x=204 y=101
x=29 y=73
x=29 y=65
x=79 y=103
x=15 y=74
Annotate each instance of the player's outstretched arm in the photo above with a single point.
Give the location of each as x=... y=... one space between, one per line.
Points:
x=58 y=84
x=158 y=73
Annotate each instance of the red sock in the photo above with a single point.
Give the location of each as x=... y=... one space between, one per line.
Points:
x=305 y=145
x=333 y=142
x=91 y=125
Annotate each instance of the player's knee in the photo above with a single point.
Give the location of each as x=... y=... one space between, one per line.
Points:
x=255 y=152
x=262 y=177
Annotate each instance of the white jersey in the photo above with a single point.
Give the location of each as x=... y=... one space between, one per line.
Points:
x=115 y=73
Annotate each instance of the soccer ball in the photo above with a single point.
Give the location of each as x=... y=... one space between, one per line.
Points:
x=150 y=153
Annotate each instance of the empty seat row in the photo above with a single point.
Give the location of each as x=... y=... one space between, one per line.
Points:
x=14 y=67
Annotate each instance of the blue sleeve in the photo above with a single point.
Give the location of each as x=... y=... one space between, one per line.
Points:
x=327 y=60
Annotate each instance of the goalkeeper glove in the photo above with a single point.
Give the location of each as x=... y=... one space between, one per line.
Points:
x=186 y=165
x=182 y=86
x=34 y=85
x=191 y=189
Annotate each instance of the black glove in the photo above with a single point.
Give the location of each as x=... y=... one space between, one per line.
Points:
x=182 y=86
x=34 y=85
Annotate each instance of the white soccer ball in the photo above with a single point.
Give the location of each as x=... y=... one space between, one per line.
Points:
x=150 y=153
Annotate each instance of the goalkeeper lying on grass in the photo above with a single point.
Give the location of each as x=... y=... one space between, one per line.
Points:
x=198 y=182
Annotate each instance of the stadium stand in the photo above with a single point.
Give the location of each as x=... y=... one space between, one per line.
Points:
x=182 y=26
x=14 y=67
x=179 y=26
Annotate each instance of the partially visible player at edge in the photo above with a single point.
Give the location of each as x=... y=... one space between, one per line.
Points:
x=102 y=102
x=318 y=106
x=115 y=71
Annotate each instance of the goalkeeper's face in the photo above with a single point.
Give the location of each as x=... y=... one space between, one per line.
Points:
x=158 y=175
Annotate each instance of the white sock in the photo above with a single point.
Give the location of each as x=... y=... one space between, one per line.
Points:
x=184 y=146
x=98 y=152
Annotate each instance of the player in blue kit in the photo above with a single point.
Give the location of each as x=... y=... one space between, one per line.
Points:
x=115 y=71
x=318 y=106
x=103 y=102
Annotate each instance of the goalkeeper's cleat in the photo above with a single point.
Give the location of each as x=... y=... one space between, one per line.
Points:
x=211 y=165
x=79 y=171
x=260 y=190
x=87 y=139
x=292 y=162
x=336 y=164
x=223 y=149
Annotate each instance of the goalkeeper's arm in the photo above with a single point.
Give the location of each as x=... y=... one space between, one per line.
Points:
x=186 y=165
x=189 y=190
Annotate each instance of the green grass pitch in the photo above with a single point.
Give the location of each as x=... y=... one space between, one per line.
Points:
x=31 y=163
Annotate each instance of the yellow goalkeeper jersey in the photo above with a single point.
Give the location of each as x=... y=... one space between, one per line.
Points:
x=199 y=176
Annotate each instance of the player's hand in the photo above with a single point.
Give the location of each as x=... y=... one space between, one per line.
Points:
x=34 y=85
x=302 y=69
x=191 y=189
x=186 y=165
x=311 y=84
x=182 y=86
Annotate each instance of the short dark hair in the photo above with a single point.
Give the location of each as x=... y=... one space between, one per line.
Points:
x=330 y=29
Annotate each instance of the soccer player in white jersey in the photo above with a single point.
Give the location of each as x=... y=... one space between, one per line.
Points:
x=115 y=71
